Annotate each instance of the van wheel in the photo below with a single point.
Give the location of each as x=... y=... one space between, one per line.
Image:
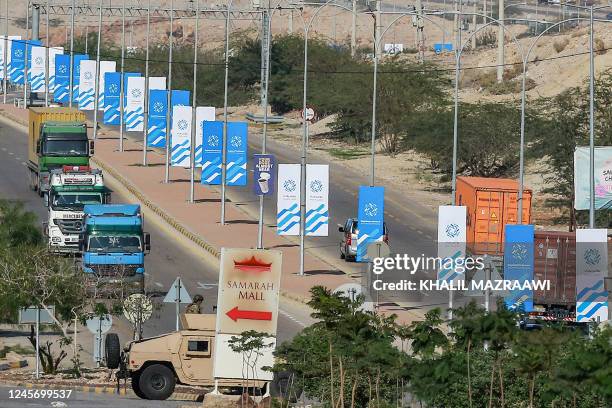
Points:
x=157 y=382
x=136 y=386
x=112 y=351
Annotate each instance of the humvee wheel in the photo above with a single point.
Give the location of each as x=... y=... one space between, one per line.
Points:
x=136 y=386
x=157 y=382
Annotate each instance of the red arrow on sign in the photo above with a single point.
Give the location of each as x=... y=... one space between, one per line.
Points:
x=236 y=314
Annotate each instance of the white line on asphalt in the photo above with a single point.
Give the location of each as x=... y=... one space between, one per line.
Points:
x=429 y=236
x=207 y=286
x=24 y=163
x=159 y=285
x=4 y=149
x=17 y=158
x=11 y=153
x=291 y=318
x=419 y=232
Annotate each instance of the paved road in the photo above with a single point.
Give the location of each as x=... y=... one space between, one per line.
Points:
x=83 y=400
x=172 y=255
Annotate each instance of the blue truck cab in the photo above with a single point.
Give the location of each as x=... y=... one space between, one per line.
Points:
x=113 y=246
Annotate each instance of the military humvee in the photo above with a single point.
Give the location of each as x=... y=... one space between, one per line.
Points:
x=155 y=365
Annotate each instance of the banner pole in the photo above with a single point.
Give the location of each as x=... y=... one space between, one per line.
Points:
x=25 y=61
x=48 y=43
x=169 y=97
x=97 y=79
x=266 y=46
x=122 y=79
x=224 y=143
x=146 y=96
x=194 y=124
x=71 y=79
x=5 y=76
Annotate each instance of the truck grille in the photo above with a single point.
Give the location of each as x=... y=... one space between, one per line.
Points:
x=114 y=270
x=69 y=226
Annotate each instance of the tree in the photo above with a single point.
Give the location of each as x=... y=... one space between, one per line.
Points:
x=250 y=345
x=17 y=226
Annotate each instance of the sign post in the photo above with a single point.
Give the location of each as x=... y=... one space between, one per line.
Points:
x=177 y=294
x=99 y=325
x=137 y=308
x=32 y=315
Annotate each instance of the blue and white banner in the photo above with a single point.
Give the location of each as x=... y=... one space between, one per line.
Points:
x=518 y=265
x=591 y=269
x=317 y=200
x=126 y=76
x=180 y=98
x=62 y=78
x=181 y=136
x=288 y=199
x=203 y=113
x=264 y=174
x=212 y=145
x=8 y=52
x=105 y=66
x=157 y=83
x=53 y=51
x=112 y=96
x=370 y=219
x=16 y=70
x=237 y=145
x=451 y=241
x=87 y=85
x=36 y=72
x=156 y=122
x=76 y=75
x=134 y=108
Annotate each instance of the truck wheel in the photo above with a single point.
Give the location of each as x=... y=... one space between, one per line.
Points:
x=112 y=351
x=136 y=386
x=157 y=382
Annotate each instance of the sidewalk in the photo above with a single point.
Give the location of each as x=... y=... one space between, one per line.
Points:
x=200 y=221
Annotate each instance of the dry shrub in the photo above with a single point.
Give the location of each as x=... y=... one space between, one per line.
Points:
x=600 y=46
x=560 y=45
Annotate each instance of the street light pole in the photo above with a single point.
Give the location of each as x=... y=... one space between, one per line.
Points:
x=146 y=96
x=25 y=65
x=169 y=95
x=267 y=26
x=97 y=93
x=591 y=123
x=122 y=79
x=48 y=44
x=194 y=124
x=71 y=91
x=225 y=87
x=5 y=76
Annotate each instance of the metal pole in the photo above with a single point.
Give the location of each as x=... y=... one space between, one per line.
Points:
x=122 y=79
x=224 y=144
x=70 y=92
x=194 y=124
x=97 y=83
x=178 y=299
x=354 y=29
x=500 y=43
x=25 y=65
x=48 y=44
x=169 y=96
x=591 y=123
x=268 y=39
x=146 y=97
x=303 y=157
x=86 y=35
x=5 y=76
x=377 y=28
x=37 y=342
x=373 y=136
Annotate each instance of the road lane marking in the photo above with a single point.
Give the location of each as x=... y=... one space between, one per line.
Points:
x=290 y=317
x=4 y=149
x=159 y=285
x=207 y=286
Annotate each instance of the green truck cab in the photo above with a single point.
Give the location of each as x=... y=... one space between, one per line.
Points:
x=57 y=138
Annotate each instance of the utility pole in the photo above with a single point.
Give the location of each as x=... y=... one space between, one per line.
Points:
x=71 y=91
x=97 y=90
x=500 y=43
x=354 y=29
x=169 y=96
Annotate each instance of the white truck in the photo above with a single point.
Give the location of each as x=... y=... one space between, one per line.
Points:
x=71 y=188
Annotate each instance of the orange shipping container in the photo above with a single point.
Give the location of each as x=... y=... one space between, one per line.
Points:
x=491 y=204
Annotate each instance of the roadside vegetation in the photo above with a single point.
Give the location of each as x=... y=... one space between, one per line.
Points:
x=353 y=358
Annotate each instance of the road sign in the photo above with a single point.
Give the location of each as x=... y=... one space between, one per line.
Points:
x=248 y=290
x=137 y=308
x=352 y=290
x=101 y=324
x=378 y=249
x=177 y=293
x=308 y=114
x=28 y=315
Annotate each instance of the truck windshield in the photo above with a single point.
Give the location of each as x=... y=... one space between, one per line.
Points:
x=72 y=200
x=115 y=244
x=56 y=147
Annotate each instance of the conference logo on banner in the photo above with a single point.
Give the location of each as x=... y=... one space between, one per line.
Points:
x=134 y=108
x=288 y=199
x=452 y=237
x=112 y=96
x=518 y=266
x=370 y=219
x=53 y=51
x=36 y=73
x=87 y=85
x=603 y=178
x=203 y=113
x=181 y=136
x=62 y=78
x=591 y=269
x=157 y=83
x=264 y=174
x=156 y=122
x=317 y=200
x=212 y=145
x=236 y=174
x=76 y=75
x=16 y=71
x=8 y=52
x=105 y=66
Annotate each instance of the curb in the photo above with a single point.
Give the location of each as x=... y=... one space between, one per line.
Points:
x=104 y=389
x=13 y=364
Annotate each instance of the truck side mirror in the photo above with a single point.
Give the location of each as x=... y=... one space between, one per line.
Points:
x=91 y=147
x=340 y=228
x=147 y=241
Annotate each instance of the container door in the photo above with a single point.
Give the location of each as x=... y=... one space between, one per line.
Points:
x=567 y=270
x=488 y=227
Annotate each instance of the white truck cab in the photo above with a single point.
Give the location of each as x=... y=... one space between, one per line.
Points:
x=71 y=188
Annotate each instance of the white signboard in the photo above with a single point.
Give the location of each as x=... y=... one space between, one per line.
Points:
x=134 y=107
x=36 y=73
x=451 y=239
x=591 y=268
x=317 y=200
x=203 y=113
x=229 y=364
x=53 y=51
x=8 y=52
x=157 y=83
x=87 y=84
x=288 y=200
x=181 y=136
x=394 y=48
x=105 y=66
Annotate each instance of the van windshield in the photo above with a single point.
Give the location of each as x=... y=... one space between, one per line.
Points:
x=355 y=230
x=65 y=147
x=72 y=200
x=115 y=244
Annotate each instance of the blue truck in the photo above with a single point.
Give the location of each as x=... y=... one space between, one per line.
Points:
x=113 y=246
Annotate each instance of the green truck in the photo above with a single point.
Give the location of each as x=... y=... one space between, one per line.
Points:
x=57 y=138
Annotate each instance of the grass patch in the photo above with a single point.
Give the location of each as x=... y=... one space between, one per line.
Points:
x=348 y=154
